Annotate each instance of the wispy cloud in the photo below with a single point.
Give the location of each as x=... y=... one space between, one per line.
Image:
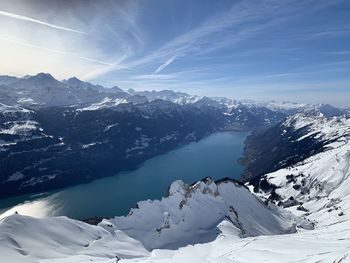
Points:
x=61 y=52
x=230 y=27
x=33 y=20
x=164 y=65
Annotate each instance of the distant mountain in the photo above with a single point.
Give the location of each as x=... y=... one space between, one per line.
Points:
x=5 y=80
x=77 y=83
x=43 y=90
x=289 y=108
x=168 y=95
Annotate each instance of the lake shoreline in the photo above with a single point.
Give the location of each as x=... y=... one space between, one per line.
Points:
x=212 y=147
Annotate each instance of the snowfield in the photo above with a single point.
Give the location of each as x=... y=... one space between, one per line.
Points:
x=214 y=221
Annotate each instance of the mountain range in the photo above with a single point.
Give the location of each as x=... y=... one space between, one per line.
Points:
x=59 y=133
x=296 y=212
x=291 y=204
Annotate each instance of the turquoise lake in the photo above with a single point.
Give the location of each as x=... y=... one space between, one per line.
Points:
x=215 y=156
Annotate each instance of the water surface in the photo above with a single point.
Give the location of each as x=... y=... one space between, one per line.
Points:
x=215 y=156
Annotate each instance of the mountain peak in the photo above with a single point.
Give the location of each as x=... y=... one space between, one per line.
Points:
x=73 y=81
x=44 y=76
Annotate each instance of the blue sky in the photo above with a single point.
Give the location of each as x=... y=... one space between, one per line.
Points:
x=273 y=49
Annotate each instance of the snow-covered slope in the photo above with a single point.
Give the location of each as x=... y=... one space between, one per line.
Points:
x=25 y=239
x=302 y=216
x=326 y=245
x=318 y=186
x=190 y=214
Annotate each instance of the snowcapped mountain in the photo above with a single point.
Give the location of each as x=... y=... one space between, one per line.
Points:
x=290 y=108
x=291 y=141
x=188 y=215
x=283 y=106
x=52 y=121
x=302 y=215
x=207 y=222
x=168 y=95
x=294 y=206
x=317 y=185
x=43 y=90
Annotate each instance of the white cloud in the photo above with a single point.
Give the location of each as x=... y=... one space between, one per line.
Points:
x=32 y=20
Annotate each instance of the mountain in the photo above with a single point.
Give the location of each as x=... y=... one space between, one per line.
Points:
x=189 y=214
x=320 y=171
x=45 y=122
x=291 y=108
x=55 y=147
x=291 y=141
x=43 y=90
x=295 y=209
x=177 y=220
x=5 y=80
x=168 y=95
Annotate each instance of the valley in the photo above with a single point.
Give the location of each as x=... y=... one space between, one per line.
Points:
x=193 y=131
x=214 y=156
x=162 y=173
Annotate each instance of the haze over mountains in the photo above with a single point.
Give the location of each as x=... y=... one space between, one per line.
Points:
x=43 y=90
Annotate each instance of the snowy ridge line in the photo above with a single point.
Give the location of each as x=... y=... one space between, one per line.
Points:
x=191 y=214
x=317 y=187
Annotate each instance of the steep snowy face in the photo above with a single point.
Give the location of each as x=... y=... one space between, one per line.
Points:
x=298 y=137
x=320 y=127
x=191 y=214
x=318 y=186
x=25 y=239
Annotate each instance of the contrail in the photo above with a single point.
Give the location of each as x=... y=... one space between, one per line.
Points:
x=29 y=19
x=164 y=65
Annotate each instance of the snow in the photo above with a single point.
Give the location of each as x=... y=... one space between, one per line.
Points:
x=106 y=102
x=108 y=127
x=190 y=215
x=20 y=127
x=324 y=128
x=26 y=239
x=85 y=146
x=212 y=221
x=200 y=213
x=141 y=143
x=15 y=176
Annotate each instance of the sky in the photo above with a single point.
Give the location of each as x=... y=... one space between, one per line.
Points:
x=285 y=50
